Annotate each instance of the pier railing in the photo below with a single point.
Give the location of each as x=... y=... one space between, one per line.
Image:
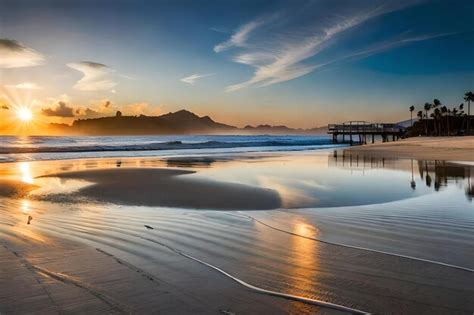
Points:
x=359 y=127
x=362 y=129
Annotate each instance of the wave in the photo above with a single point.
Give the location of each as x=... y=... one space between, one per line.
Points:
x=169 y=145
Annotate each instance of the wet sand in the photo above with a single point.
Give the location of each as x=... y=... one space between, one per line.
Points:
x=168 y=188
x=14 y=188
x=107 y=261
x=117 y=257
x=422 y=148
x=56 y=275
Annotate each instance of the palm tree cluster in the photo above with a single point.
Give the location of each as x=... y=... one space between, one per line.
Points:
x=441 y=120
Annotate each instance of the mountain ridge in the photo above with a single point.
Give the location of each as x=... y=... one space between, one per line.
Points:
x=172 y=123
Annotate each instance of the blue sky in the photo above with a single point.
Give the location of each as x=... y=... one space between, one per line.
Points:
x=300 y=63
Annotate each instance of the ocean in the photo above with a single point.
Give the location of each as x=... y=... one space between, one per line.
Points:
x=33 y=148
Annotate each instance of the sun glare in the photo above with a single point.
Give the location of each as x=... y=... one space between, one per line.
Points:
x=24 y=114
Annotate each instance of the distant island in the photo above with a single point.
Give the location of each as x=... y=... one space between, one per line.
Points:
x=181 y=122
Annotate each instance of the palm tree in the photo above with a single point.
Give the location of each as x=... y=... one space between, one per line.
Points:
x=412 y=108
x=419 y=115
x=469 y=97
x=447 y=121
x=437 y=115
x=426 y=107
x=444 y=112
x=437 y=120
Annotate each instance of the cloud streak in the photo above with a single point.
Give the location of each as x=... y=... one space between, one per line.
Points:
x=239 y=37
x=96 y=76
x=24 y=86
x=191 y=79
x=14 y=54
x=283 y=53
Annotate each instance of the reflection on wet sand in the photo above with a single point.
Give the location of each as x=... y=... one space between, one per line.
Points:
x=197 y=162
x=436 y=174
x=304 y=262
x=300 y=261
x=324 y=180
x=25 y=172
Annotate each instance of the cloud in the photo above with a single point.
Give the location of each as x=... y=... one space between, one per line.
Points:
x=387 y=45
x=14 y=54
x=193 y=77
x=283 y=52
x=141 y=108
x=24 y=86
x=240 y=36
x=96 y=76
x=4 y=104
x=104 y=108
x=88 y=113
x=96 y=109
x=61 y=110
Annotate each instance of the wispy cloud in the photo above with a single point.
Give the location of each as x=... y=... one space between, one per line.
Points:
x=96 y=76
x=284 y=52
x=403 y=39
x=193 y=77
x=239 y=37
x=24 y=86
x=14 y=54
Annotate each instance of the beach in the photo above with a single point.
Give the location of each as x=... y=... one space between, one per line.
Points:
x=236 y=157
x=424 y=148
x=277 y=232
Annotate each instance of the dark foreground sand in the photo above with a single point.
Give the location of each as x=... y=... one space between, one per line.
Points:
x=113 y=264
x=169 y=188
x=56 y=276
x=421 y=148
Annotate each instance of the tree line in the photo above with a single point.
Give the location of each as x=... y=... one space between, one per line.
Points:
x=441 y=120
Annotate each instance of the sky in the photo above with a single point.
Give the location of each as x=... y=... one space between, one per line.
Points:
x=302 y=63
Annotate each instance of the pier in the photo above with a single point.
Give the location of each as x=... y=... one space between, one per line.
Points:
x=360 y=132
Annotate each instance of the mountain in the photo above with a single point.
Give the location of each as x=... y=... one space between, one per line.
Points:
x=282 y=130
x=407 y=123
x=180 y=122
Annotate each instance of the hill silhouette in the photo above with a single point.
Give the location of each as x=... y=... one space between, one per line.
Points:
x=173 y=123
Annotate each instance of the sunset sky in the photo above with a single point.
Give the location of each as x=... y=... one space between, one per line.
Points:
x=299 y=63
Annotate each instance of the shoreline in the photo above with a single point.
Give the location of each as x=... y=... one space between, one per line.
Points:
x=421 y=148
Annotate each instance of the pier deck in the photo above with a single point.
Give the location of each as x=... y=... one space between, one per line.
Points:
x=358 y=131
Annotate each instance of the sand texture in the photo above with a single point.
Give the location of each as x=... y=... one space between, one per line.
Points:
x=424 y=148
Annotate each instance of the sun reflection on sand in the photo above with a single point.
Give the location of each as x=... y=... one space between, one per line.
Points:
x=303 y=262
x=25 y=206
x=25 y=173
x=301 y=276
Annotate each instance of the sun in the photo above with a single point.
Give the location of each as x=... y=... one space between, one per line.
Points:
x=24 y=114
